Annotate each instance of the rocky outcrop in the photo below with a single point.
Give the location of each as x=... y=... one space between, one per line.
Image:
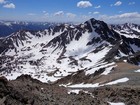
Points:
x=27 y=91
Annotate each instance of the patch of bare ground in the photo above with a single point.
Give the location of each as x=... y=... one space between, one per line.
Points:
x=129 y=95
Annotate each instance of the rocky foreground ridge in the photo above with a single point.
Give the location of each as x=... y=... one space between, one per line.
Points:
x=28 y=91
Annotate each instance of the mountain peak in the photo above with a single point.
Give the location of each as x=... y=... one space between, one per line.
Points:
x=64 y=50
x=92 y=19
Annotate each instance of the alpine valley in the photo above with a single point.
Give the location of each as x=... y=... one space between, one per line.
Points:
x=91 y=63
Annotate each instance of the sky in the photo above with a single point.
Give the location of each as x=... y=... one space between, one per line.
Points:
x=110 y=11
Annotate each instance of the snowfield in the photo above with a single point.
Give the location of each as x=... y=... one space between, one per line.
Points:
x=64 y=50
x=48 y=64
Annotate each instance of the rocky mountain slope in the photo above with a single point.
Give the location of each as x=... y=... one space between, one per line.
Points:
x=89 y=50
x=128 y=29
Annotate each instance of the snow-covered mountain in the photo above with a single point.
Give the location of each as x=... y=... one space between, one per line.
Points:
x=9 y=27
x=65 y=52
x=128 y=29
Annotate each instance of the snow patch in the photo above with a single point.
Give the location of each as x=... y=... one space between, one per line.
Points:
x=118 y=81
x=125 y=60
x=118 y=103
x=78 y=90
x=122 y=54
x=97 y=67
x=74 y=91
x=138 y=71
x=108 y=70
x=82 y=85
x=42 y=88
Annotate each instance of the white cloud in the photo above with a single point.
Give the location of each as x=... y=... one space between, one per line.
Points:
x=133 y=17
x=11 y=5
x=85 y=17
x=118 y=3
x=71 y=15
x=89 y=13
x=98 y=7
x=131 y=3
x=84 y=4
x=44 y=11
x=120 y=11
x=96 y=13
x=31 y=14
x=47 y=14
x=127 y=15
x=59 y=13
x=2 y=1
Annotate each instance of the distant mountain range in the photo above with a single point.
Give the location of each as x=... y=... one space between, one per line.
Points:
x=8 y=27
